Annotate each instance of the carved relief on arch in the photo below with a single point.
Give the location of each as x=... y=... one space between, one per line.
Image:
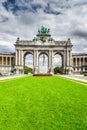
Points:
x=58 y=52
x=43 y=52
x=28 y=52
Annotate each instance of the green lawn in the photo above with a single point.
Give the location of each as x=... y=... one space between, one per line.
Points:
x=42 y=103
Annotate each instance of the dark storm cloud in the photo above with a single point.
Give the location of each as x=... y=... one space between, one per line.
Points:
x=80 y=33
x=35 y=7
x=14 y=6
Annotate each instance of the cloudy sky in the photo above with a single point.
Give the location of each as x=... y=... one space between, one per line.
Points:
x=22 y=18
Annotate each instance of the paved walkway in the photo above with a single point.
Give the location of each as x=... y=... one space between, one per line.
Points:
x=76 y=77
x=10 y=77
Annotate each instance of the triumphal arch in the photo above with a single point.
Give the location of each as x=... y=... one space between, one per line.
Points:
x=43 y=43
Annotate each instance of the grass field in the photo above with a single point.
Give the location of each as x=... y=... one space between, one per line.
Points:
x=42 y=103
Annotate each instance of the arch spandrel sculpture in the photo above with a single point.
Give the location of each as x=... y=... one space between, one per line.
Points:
x=43 y=42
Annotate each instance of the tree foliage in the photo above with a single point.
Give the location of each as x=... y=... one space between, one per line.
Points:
x=58 y=70
x=27 y=70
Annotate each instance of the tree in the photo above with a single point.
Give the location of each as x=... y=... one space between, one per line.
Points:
x=58 y=70
x=27 y=70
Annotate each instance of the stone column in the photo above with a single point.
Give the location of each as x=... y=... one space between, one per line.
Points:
x=22 y=59
x=80 y=61
x=68 y=58
x=10 y=63
x=6 y=60
x=10 y=60
x=71 y=59
x=50 y=62
x=64 y=61
x=19 y=57
x=16 y=59
x=52 y=56
x=17 y=62
x=76 y=62
x=84 y=61
x=67 y=61
x=35 y=61
x=80 y=64
x=2 y=60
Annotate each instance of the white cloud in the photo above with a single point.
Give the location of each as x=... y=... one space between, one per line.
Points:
x=85 y=50
x=70 y=23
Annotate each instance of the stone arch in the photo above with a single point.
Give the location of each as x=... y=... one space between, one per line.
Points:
x=27 y=56
x=60 y=54
x=43 y=52
x=43 y=60
x=27 y=52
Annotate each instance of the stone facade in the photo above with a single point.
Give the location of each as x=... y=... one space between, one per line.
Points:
x=72 y=63
x=79 y=63
x=49 y=47
x=7 y=62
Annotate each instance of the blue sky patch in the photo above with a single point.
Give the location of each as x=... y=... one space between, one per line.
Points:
x=51 y=11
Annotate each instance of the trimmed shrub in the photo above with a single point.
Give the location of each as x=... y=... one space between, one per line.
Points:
x=85 y=74
x=42 y=74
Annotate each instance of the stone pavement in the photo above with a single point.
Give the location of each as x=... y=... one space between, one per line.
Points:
x=10 y=77
x=76 y=77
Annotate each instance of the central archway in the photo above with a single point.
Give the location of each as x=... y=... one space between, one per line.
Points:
x=43 y=63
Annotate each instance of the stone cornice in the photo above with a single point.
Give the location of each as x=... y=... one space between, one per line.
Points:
x=79 y=54
x=7 y=53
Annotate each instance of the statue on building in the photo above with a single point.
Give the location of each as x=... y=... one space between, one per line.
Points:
x=44 y=30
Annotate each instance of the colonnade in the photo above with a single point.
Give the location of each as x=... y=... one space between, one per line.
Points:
x=6 y=60
x=7 y=63
x=79 y=61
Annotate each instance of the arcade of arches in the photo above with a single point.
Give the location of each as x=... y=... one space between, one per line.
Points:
x=43 y=49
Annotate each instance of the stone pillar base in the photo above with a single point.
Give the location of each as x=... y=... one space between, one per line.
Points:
x=35 y=71
x=69 y=70
x=19 y=69
x=51 y=70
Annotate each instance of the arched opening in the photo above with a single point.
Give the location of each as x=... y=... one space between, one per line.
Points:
x=43 y=63
x=28 y=63
x=57 y=63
